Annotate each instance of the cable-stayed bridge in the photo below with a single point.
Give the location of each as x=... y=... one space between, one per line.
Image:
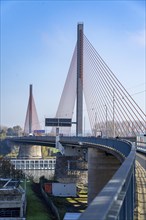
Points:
x=110 y=107
x=111 y=110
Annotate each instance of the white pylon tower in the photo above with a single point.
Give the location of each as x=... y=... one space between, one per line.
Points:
x=31 y=121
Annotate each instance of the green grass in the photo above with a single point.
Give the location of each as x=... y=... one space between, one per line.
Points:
x=36 y=209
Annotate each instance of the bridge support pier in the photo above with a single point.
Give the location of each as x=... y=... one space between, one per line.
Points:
x=30 y=151
x=101 y=167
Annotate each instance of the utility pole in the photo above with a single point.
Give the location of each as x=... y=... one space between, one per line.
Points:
x=106 y=120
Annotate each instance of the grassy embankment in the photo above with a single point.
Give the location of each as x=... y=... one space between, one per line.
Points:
x=36 y=207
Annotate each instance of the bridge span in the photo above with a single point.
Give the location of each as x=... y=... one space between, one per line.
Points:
x=116 y=200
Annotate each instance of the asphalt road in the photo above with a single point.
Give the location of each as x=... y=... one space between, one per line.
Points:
x=141 y=158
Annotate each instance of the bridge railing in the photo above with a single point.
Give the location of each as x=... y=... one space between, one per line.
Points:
x=122 y=146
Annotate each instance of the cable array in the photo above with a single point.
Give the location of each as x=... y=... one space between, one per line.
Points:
x=67 y=101
x=110 y=107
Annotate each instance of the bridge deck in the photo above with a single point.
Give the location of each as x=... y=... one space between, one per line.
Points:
x=140 y=210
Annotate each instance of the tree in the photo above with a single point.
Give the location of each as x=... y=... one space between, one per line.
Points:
x=17 y=130
x=3 y=134
x=7 y=170
x=10 y=132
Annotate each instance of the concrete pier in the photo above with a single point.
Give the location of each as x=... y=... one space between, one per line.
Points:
x=29 y=151
x=101 y=167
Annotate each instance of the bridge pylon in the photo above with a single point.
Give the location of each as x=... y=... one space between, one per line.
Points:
x=79 y=104
x=31 y=121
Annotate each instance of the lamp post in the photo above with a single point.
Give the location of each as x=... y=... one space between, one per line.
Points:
x=25 y=183
x=113 y=113
x=84 y=126
x=95 y=123
x=106 y=120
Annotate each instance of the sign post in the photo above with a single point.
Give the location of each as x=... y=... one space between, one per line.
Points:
x=58 y=122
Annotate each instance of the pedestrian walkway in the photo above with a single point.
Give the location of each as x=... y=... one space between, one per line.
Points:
x=140 y=209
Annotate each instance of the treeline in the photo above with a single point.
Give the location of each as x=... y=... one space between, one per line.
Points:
x=8 y=132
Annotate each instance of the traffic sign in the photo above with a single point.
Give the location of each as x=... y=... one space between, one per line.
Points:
x=58 y=122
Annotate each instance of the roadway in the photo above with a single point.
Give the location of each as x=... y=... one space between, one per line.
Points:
x=141 y=158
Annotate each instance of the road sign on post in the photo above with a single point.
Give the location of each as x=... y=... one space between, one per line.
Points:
x=58 y=122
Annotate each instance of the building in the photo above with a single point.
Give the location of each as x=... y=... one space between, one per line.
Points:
x=12 y=200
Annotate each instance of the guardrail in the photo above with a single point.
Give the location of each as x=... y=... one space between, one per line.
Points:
x=122 y=146
x=117 y=199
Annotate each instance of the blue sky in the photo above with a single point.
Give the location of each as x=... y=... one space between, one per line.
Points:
x=37 y=43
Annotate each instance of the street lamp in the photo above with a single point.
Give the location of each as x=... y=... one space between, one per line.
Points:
x=106 y=120
x=95 y=123
x=113 y=113
x=84 y=126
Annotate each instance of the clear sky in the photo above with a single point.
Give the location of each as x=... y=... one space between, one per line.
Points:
x=37 y=43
